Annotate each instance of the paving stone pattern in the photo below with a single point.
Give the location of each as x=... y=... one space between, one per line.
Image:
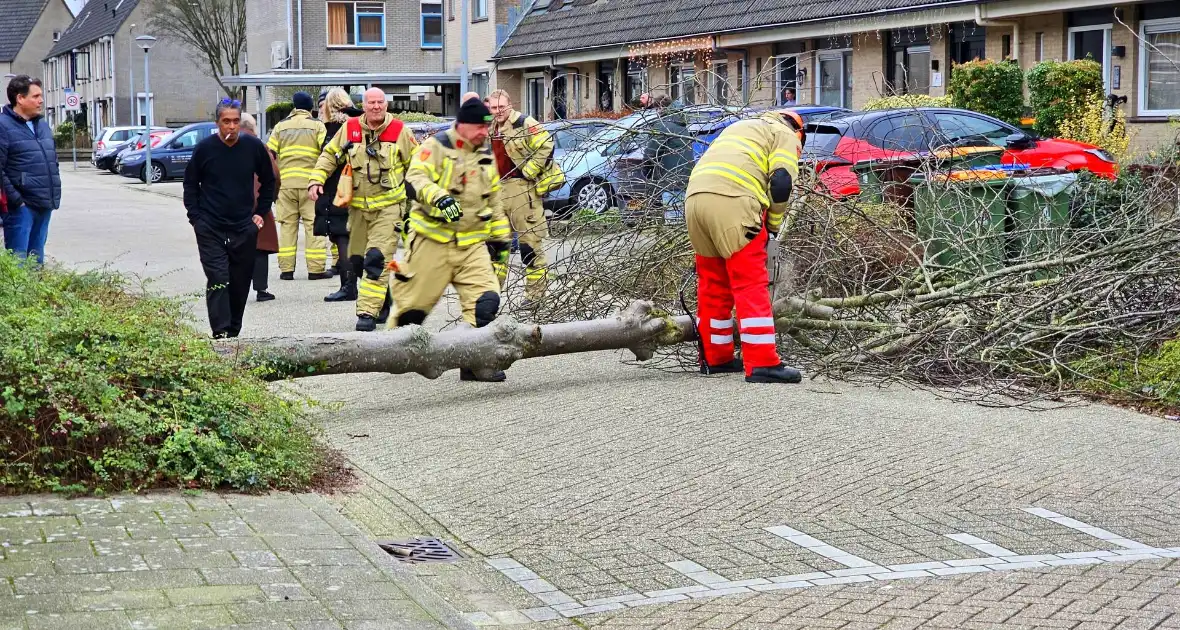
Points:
x=600 y=477
x=204 y=561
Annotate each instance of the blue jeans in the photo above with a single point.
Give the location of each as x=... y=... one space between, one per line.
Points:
x=25 y=231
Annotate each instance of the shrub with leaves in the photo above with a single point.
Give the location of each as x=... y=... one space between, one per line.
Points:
x=995 y=88
x=277 y=111
x=103 y=390
x=906 y=101
x=1058 y=89
x=1093 y=125
x=412 y=117
x=1151 y=380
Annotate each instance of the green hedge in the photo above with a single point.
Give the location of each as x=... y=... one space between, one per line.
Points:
x=1059 y=89
x=904 y=101
x=104 y=390
x=995 y=88
x=276 y=112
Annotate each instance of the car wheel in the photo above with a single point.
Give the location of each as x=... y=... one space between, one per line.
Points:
x=114 y=170
x=592 y=196
x=157 y=173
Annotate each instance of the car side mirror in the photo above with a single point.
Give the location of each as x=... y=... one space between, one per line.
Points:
x=1020 y=141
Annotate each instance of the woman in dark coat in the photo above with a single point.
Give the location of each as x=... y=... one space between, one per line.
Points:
x=336 y=107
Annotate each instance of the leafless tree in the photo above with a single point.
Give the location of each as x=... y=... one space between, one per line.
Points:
x=214 y=29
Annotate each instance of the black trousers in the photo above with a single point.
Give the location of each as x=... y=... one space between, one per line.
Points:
x=261 y=271
x=228 y=258
x=341 y=243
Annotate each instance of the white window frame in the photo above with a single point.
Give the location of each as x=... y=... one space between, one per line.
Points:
x=479 y=10
x=1107 y=58
x=1171 y=25
x=356 y=24
x=778 y=77
x=715 y=78
x=422 y=15
x=825 y=55
x=676 y=88
x=528 y=97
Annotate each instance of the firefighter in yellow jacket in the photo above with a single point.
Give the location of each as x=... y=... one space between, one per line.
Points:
x=736 y=199
x=524 y=157
x=456 y=227
x=295 y=142
x=377 y=148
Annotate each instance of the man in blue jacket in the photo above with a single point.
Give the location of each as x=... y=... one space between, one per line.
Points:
x=28 y=169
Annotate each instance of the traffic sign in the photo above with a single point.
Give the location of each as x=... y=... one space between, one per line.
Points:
x=73 y=101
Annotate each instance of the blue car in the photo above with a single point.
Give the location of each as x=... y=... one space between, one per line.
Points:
x=170 y=157
x=707 y=131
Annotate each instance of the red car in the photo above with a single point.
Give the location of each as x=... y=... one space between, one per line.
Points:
x=835 y=145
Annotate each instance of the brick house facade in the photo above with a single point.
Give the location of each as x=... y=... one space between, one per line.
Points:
x=870 y=49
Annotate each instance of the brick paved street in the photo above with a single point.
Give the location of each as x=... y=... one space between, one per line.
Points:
x=168 y=560
x=586 y=488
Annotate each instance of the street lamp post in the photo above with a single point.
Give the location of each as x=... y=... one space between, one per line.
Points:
x=132 y=100
x=146 y=42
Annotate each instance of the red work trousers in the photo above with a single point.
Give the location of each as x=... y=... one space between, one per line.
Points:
x=740 y=280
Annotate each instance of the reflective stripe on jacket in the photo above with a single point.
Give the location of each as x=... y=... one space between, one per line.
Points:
x=739 y=162
x=445 y=165
x=296 y=140
x=378 y=180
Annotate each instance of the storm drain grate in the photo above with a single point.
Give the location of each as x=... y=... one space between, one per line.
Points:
x=420 y=550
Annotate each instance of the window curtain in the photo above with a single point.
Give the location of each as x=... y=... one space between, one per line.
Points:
x=338 y=24
x=371 y=29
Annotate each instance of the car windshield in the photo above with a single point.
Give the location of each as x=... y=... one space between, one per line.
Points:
x=821 y=141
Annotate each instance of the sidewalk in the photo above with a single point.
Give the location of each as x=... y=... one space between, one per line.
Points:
x=172 y=560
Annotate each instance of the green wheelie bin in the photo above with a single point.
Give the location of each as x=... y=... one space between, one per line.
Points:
x=961 y=217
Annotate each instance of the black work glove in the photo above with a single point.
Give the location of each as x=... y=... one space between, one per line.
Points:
x=447 y=209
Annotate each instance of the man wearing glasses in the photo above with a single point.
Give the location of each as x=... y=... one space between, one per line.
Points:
x=219 y=198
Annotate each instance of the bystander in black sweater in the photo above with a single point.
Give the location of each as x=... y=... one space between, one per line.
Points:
x=219 y=183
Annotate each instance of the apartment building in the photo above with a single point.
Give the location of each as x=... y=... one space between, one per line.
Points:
x=96 y=56
x=397 y=45
x=567 y=58
x=29 y=30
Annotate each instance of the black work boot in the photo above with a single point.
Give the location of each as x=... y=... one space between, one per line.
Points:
x=383 y=315
x=777 y=374
x=347 y=291
x=494 y=377
x=323 y=275
x=365 y=323
x=733 y=367
x=287 y=275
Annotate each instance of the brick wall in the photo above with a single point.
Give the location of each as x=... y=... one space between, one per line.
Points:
x=761 y=84
x=403 y=50
x=938 y=53
x=55 y=17
x=868 y=64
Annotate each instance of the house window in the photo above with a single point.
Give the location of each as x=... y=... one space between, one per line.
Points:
x=432 y=24
x=1040 y=47
x=479 y=10
x=720 y=79
x=741 y=79
x=356 y=24
x=682 y=78
x=911 y=70
x=535 y=97
x=1159 y=87
x=1092 y=42
x=786 y=80
x=479 y=83
x=1005 y=47
x=833 y=71
x=636 y=82
x=968 y=42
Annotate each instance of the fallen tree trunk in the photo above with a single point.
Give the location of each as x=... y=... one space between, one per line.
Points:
x=640 y=328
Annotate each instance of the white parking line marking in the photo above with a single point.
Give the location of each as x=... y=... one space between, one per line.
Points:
x=1097 y=532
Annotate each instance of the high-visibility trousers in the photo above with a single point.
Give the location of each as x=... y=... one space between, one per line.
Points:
x=729 y=238
x=294 y=207
x=368 y=230
x=526 y=215
x=432 y=266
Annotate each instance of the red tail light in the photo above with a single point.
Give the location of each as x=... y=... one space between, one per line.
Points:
x=101 y=146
